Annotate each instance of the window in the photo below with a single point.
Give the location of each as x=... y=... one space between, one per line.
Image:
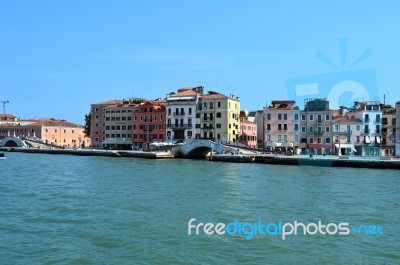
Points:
x=268 y=126
x=327 y=117
x=219 y=105
x=296 y=137
x=268 y=116
x=268 y=137
x=285 y=127
x=327 y=129
x=285 y=116
x=279 y=137
x=328 y=140
x=279 y=116
x=336 y=127
x=296 y=127
x=311 y=140
x=190 y=111
x=279 y=127
x=285 y=138
x=311 y=129
x=311 y=117
x=296 y=117
x=319 y=118
x=303 y=129
x=218 y=125
x=378 y=118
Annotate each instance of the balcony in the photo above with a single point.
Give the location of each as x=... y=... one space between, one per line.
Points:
x=349 y=132
x=318 y=133
x=209 y=127
x=317 y=122
x=179 y=126
x=366 y=132
x=182 y=113
x=207 y=119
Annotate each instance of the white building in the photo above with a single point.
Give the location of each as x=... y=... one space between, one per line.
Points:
x=370 y=114
x=181 y=113
x=347 y=135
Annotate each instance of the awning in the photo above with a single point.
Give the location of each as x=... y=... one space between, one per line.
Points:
x=345 y=145
x=161 y=144
x=117 y=141
x=276 y=144
x=289 y=144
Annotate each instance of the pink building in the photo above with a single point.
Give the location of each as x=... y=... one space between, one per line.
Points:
x=50 y=131
x=282 y=125
x=248 y=130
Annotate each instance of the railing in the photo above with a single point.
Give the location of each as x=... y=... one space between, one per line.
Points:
x=209 y=127
x=207 y=119
x=318 y=122
x=349 y=132
x=179 y=126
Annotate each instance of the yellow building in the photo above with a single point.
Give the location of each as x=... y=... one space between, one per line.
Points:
x=217 y=118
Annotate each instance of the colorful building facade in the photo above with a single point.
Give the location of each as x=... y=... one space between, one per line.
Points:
x=149 y=124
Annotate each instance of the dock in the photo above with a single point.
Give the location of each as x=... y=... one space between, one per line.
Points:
x=321 y=161
x=91 y=152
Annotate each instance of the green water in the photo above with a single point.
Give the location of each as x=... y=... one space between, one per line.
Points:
x=59 y=209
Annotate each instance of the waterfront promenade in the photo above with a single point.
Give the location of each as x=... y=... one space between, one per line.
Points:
x=298 y=160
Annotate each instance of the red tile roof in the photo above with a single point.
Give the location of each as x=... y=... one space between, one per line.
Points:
x=188 y=92
x=110 y=102
x=214 y=96
x=52 y=122
x=346 y=120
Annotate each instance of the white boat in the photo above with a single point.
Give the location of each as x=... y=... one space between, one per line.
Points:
x=2 y=156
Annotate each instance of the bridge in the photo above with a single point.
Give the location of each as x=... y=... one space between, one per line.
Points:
x=201 y=148
x=12 y=142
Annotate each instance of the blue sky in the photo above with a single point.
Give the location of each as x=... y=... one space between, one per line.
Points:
x=58 y=57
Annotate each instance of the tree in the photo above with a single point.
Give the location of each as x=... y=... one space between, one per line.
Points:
x=88 y=119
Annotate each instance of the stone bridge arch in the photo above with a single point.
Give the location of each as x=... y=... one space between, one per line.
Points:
x=12 y=142
x=200 y=148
